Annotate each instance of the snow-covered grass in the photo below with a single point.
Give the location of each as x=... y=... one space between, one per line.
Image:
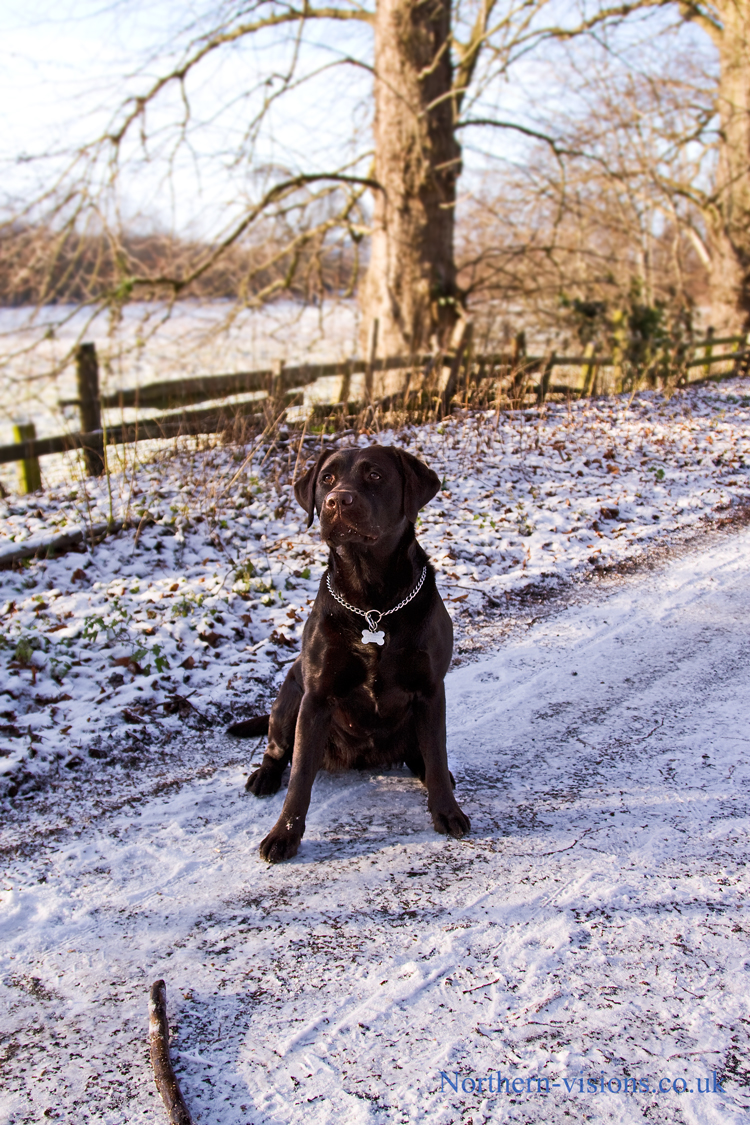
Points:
x=195 y=612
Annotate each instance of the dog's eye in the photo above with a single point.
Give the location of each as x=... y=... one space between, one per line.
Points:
x=373 y=475
x=327 y=478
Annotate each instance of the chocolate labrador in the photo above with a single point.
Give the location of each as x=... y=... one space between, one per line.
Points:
x=367 y=689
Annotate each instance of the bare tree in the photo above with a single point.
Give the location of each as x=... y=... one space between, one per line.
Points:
x=434 y=70
x=430 y=65
x=718 y=127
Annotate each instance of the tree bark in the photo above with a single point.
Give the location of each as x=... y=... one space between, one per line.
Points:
x=410 y=284
x=729 y=215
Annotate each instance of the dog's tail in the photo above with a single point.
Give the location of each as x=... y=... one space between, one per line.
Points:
x=250 y=728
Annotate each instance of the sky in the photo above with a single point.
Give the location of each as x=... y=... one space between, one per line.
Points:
x=65 y=76
x=67 y=67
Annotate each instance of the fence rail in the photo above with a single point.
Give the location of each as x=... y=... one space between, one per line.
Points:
x=439 y=378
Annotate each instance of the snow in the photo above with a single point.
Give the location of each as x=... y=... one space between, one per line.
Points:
x=594 y=921
x=593 y=924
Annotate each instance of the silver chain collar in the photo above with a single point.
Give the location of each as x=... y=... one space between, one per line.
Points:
x=373 y=617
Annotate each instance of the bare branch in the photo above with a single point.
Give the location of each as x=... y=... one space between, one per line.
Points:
x=166 y=1080
x=557 y=148
x=469 y=53
x=207 y=46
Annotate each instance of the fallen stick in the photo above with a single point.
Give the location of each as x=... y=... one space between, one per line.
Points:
x=36 y=548
x=158 y=1034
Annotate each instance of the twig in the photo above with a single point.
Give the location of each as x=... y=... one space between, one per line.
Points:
x=299 y=448
x=184 y=699
x=477 y=590
x=146 y=519
x=158 y=1034
x=466 y=991
x=254 y=449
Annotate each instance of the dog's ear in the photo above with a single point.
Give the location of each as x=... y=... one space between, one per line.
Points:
x=420 y=484
x=304 y=488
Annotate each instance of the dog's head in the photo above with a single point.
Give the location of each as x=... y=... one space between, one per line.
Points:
x=362 y=495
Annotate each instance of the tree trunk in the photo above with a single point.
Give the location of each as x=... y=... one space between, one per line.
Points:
x=410 y=284
x=729 y=218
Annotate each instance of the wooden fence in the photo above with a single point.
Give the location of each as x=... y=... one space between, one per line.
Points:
x=436 y=381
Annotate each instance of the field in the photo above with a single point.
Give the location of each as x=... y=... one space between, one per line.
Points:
x=195 y=339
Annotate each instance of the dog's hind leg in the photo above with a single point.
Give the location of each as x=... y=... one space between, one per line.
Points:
x=414 y=761
x=283 y=722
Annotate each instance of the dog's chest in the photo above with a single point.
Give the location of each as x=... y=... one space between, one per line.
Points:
x=376 y=694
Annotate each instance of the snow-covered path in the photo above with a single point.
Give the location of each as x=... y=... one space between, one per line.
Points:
x=593 y=926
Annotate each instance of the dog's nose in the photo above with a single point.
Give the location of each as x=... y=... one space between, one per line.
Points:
x=333 y=499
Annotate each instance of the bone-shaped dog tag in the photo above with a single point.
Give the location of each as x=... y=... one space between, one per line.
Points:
x=368 y=637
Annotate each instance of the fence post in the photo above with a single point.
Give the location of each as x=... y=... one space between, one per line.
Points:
x=273 y=404
x=545 y=379
x=742 y=363
x=518 y=382
x=708 y=351
x=276 y=385
x=372 y=351
x=519 y=348
x=87 y=371
x=29 y=473
x=346 y=385
x=464 y=384
x=589 y=371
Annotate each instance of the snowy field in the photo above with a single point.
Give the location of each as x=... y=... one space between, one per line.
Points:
x=593 y=927
x=153 y=343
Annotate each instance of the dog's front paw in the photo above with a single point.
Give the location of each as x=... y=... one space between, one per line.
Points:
x=264 y=782
x=281 y=843
x=451 y=821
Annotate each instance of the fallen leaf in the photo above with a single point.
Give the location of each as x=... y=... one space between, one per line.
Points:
x=213 y=639
x=278 y=638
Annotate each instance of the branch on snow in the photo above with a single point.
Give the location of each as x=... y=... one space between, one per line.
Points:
x=166 y=1079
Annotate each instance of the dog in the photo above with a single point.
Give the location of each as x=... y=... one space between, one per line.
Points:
x=367 y=689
